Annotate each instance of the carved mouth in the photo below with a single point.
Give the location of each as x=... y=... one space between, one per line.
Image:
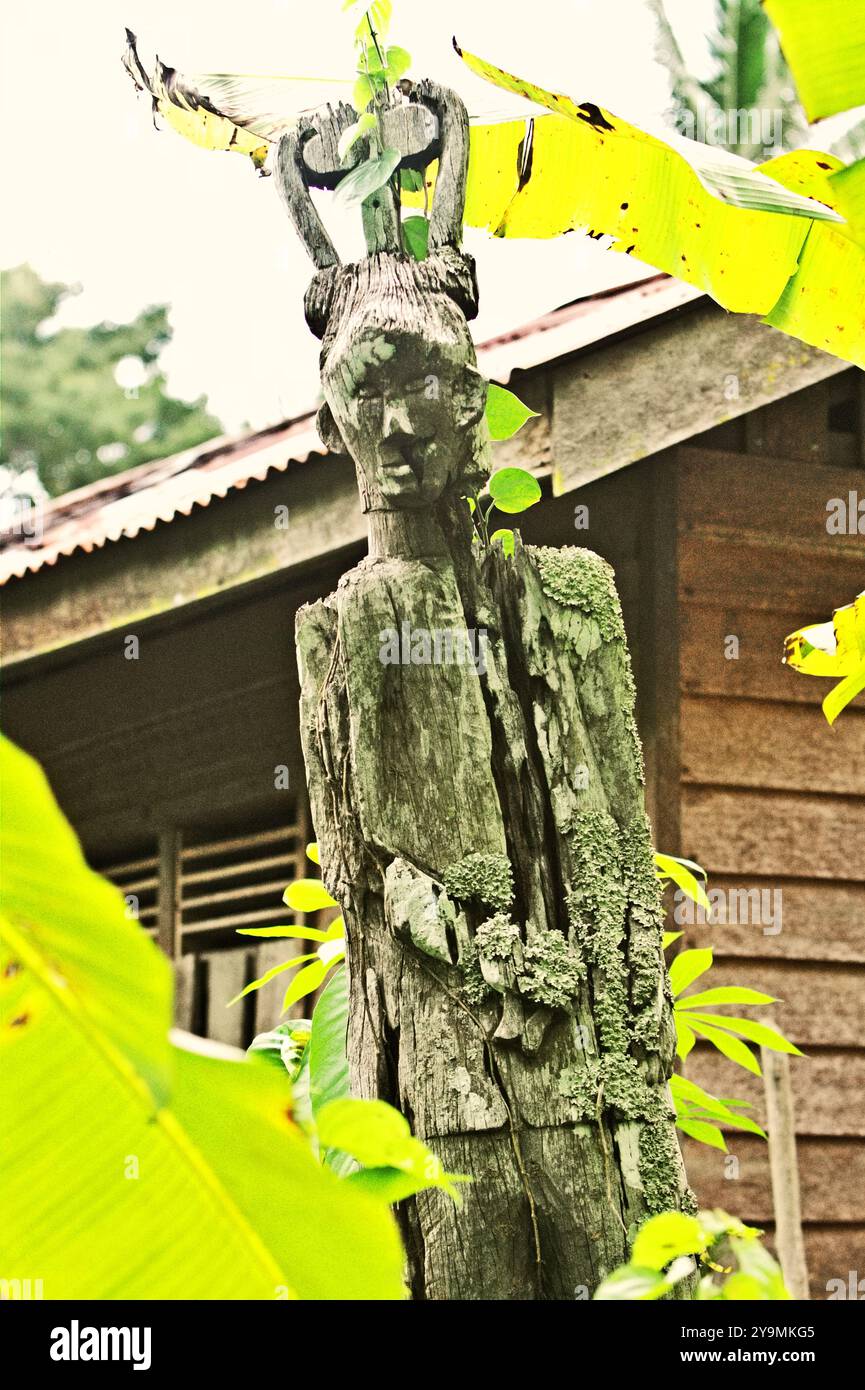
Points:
x=402 y=467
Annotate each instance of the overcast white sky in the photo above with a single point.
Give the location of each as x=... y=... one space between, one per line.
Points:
x=95 y=195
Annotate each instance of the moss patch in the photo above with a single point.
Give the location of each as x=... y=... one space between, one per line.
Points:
x=579 y=578
x=625 y=1090
x=497 y=937
x=483 y=878
x=474 y=986
x=553 y=970
x=659 y=1167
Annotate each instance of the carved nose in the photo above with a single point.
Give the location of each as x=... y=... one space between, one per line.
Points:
x=396 y=419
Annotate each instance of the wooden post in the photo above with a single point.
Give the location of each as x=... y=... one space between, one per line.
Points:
x=168 y=892
x=476 y=784
x=781 y=1124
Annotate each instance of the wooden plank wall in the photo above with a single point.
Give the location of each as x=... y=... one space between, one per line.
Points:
x=772 y=798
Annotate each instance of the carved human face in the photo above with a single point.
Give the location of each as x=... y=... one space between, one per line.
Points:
x=409 y=415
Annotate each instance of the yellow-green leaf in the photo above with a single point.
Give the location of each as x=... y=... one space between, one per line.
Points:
x=759 y=1033
x=730 y=1047
x=723 y=994
x=833 y=649
x=271 y=975
x=681 y=872
x=305 y=982
x=133 y=1169
x=308 y=895
x=824 y=44
x=687 y=967
x=697 y=212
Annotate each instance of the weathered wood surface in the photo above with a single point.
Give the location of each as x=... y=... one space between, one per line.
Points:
x=819 y=921
x=748 y=573
x=475 y=777
x=758 y=672
x=731 y=495
x=786 y=1199
x=634 y=398
x=774 y=834
x=831 y=1175
x=834 y=1255
x=745 y=743
x=411 y=768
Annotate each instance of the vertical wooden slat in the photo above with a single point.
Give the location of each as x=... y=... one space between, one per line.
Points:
x=781 y=1128
x=184 y=992
x=268 y=1000
x=226 y=977
x=658 y=651
x=168 y=892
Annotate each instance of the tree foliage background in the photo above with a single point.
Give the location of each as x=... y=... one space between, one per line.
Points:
x=69 y=413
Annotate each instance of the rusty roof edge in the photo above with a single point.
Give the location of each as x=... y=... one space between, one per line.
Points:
x=155 y=492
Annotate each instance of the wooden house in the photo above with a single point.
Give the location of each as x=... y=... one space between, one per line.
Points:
x=704 y=455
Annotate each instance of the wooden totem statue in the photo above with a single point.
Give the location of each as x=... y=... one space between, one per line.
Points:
x=476 y=784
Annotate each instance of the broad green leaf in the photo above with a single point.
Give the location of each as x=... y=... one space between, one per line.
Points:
x=271 y=975
x=286 y=1044
x=847 y=189
x=84 y=1016
x=328 y=1062
x=514 y=489
x=365 y=122
x=415 y=234
x=378 y=1136
x=697 y=212
x=411 y=180
x=305 y=982
x=370 y=17
x=506 y=538
x=631 y=1283
x=824 y=44
x=681 y=873
x=362 y=93
x=685 y=1038
x=703 y=1132
x=840 y=696
x=234 y=112
x=823 y=303
x=307 y=895
x=505 y=412
x=687 y=967
x=759 y=1033
x=398 y=63
x=312 y=852
x=664 y=1237
x=65 y=919
x=724 y=994
x=669 y=937
x=729 y=1046
x=367 y=178
x=755 y=1262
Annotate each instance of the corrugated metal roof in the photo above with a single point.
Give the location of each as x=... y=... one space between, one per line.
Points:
x=127 y=503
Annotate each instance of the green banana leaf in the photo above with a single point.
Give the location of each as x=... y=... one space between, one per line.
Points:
x=824 y=44
x=132 y=1168
x=701 y=215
